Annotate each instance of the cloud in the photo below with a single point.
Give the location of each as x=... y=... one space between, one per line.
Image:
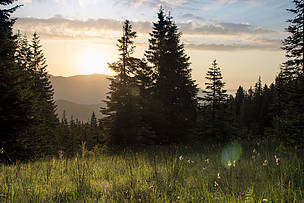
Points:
x=250 y=2
x=191 y=16
x=214 y=28
x=59 y=25
x=265 y=44
x=220 y=36
x=171 y=4
x=168 y=4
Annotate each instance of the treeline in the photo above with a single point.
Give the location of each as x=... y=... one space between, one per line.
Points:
x=27 y=109
x=73 y=135
x=154 y=100
x=151 y=101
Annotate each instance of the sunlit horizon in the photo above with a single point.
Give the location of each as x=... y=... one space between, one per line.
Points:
x=80 y=37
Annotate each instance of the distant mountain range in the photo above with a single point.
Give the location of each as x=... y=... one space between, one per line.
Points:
x=82 y=112
x=80 y=95
x=81 y=89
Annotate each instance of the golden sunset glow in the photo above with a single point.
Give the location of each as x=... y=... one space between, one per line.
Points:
x=82 y=40
x=92 y=61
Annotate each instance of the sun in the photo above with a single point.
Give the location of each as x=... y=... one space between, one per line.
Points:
x=91 y=61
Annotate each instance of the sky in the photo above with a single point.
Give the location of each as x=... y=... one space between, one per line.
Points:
x=80 y=36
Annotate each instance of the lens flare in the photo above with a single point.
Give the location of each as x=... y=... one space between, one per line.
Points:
x=231 y=153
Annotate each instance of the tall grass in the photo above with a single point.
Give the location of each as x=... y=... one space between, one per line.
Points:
x=165 y=174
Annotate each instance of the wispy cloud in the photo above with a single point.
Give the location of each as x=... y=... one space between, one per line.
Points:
x=59 y=27
x=60 y=24
x=192 y=16
x=175 y=3
x=271 y=46
x=250 y=2
x=69 y=28
x=169 y=4
x=214 y=28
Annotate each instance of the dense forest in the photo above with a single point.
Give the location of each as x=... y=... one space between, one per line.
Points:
x=151 y=100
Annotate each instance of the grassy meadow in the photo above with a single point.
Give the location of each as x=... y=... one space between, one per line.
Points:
x=235 y=173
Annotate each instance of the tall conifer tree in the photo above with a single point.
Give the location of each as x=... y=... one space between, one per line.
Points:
x=174 y=89
x=122 y=116
x=45 y=108
x=294 y=44
x=214 y=99
x=291 y=80
x=15 y=101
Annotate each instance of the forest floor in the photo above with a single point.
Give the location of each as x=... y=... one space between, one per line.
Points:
x=231 y=173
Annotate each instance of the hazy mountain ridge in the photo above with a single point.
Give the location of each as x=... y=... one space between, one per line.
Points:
x=80 y=95
x=81 y=89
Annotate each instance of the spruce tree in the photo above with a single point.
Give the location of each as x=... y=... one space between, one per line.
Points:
x=95 y=133
x=122 y=112
x=215 y=102
x=63 y=134
x=294 y=44
x=43 y=84
x=291 y=80
x=39 y=138
x=174 y=90
x=15 y=101
x=239 y=103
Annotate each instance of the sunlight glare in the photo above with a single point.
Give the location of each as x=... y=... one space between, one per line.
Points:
x=93 y=61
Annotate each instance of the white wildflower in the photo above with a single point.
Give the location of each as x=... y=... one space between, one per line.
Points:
x=216 y=184
x=277 y=159
x=181 y=157
x=265 y=163
x=189 y=161
x=254 y=151
x=234 y=163
x=265 y=200
x=218 y=176
x=178 y=198
x=2 y=151
x=229 y=163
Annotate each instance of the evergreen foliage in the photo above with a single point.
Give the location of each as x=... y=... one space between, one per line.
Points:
x=174 y=91
x=123 y=118
x=290 y=80
x=15 y=101
x=294 y=44
x=72 y=134
x=150 y=101
x=46 y=121
x=215 y=105
x=254 y=111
